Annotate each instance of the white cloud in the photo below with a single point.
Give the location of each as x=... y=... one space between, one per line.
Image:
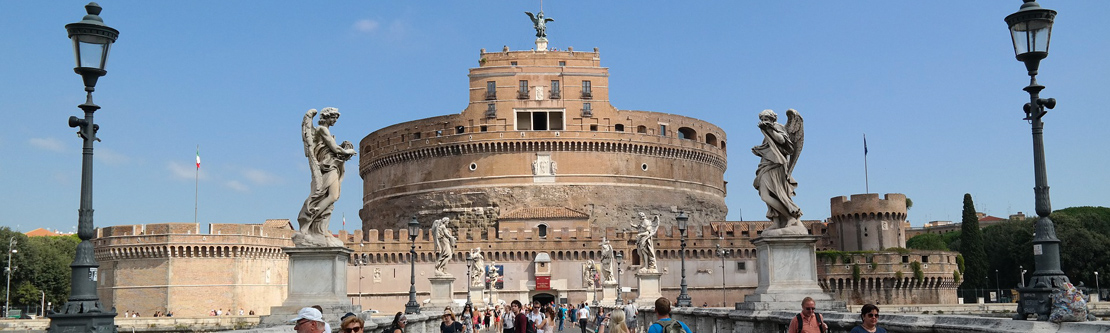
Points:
x=183 y=170
x=111 y=157
x=51 y=144
x=236 y=185
x=366 y=26
x=259 y=177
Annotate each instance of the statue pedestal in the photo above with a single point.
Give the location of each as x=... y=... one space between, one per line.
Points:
x=649 y=288
x=477 y=296
x=541 y=44
x=609 y=293
x=317 y=276
x=443 y=292
x=787 y=274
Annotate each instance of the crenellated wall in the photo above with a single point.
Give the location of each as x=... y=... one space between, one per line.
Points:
x=905 y=277
x=867 y=223
x=171 y=267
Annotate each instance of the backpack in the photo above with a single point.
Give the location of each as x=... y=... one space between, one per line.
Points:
x=819 y=322
x=671 y=326
x=531 y=327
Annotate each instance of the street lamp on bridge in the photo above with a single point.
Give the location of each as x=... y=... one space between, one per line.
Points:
x=83 y=310
x=620 y=261
x=1030 y=30
x=412 y=306
x=683 y=297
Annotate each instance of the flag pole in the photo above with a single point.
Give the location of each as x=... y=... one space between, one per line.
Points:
x=196 y=186
x=866 y=183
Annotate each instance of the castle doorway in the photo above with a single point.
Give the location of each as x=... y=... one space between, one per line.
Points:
x=543 y=298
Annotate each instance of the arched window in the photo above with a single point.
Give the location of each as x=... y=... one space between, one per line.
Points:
x=687 y=133
x=711 y=139
x=641 y=129
x=542 y=230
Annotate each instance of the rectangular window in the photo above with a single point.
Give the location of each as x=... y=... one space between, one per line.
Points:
x=539 y=120
x=562 y=63
x=593 y=128
x=741 y=266
x=587 y=110
x=491 y=110
x=482 y=128
x=662 y=130
x=416 y=136
x=522 y=91
x=491 y=90
x=555 y=91
x=587 y=90
x=512 y=63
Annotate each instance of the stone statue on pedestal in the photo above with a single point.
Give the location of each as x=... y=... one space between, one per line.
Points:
x=445 y=245
x=778 y=155
x=540 y=23
x=607 y=262
x=325 y=160
x=645 y=242
x=477 y=270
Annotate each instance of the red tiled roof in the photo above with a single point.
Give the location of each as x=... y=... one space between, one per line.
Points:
x=278 y=224
x=41 y=232
x=545 y=213
x=989 y=218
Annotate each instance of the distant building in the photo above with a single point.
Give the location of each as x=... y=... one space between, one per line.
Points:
x=40 y=232
x=943 y=227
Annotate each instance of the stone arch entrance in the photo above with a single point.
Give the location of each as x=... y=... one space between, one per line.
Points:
x=544 y=298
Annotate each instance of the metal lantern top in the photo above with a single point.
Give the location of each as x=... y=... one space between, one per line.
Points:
x=620 y=256
x=414 y=227
x=91 y=41
x=682 y=218
x=1031 y=29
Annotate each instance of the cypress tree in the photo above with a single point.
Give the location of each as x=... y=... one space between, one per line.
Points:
x=971 y=246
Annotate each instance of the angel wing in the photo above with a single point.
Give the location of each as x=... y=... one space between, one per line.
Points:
x=549 y=19
x=796 y=130
x=531 y=16
x=308 y=134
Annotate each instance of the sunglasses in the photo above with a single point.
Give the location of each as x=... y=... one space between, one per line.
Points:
x=353 y=329
x=811 y=309
x=871 y=315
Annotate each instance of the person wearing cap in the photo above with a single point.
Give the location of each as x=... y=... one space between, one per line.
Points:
x=308 y=320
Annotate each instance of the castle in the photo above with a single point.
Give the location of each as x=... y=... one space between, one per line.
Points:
x=535 y=172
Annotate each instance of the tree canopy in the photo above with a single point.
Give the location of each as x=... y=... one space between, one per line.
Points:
x=40 y=264
x=971 y=247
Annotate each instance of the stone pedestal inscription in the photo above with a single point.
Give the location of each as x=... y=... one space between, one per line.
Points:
x=442 y=293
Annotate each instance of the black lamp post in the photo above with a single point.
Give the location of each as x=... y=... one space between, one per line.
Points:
x=723 y=253
x=412 y=306
x=469 y=264
x=83 y=310
x=997 y=290
x=620 y=261
x=683 y=297
x=1031 y=29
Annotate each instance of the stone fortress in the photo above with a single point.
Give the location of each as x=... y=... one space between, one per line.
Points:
x=535 y=171
x=540 y=142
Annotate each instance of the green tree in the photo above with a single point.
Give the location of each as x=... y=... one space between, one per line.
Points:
x=39 y=263
x=1009 y=251
x=971 y=246
x=933 y=242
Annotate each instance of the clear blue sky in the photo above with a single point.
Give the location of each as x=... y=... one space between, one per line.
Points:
x=934 y=85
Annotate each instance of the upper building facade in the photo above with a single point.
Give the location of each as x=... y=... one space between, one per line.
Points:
x=538 y=136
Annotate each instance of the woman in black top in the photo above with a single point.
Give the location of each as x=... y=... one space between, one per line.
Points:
x=449 y=325
x=398 y=325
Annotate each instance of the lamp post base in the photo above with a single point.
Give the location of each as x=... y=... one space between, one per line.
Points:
x=99 y=322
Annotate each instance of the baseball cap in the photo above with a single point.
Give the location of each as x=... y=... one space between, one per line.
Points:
x=310 y=314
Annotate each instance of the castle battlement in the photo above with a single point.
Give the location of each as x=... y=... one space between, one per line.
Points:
x=892 y=203
x=890 y=277
x=184 y=240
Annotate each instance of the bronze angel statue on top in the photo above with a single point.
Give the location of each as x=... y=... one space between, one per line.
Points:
x=325 y=160
x=773 y=178
x=540 y=23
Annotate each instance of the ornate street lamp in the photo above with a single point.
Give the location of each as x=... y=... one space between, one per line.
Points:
x=412 y=306
x=1030 y=30
x=83 y=311
x=8 y=272
x=620 y=261
x=683 y=297
x=469 y=264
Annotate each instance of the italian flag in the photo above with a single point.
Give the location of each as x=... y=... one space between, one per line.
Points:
x=198 y=157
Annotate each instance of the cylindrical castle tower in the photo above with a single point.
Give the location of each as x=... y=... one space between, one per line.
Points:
x=540 y=143
x=867 y=223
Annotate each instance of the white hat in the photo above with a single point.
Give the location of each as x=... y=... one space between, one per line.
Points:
x=309 y=313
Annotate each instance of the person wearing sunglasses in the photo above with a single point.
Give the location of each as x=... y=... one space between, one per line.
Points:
x=870 y=315
x=399 y=323
x=308 y=320
x=809 y=321
x=351 y=324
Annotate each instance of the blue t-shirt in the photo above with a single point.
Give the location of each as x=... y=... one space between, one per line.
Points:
x=656 y=328
x=859 y=329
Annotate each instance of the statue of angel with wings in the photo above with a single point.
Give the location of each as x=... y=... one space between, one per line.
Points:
x=325 y=160
x=773 y=178
x=540 y=23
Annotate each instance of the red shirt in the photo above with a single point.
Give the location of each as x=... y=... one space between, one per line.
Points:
x=520 y=323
